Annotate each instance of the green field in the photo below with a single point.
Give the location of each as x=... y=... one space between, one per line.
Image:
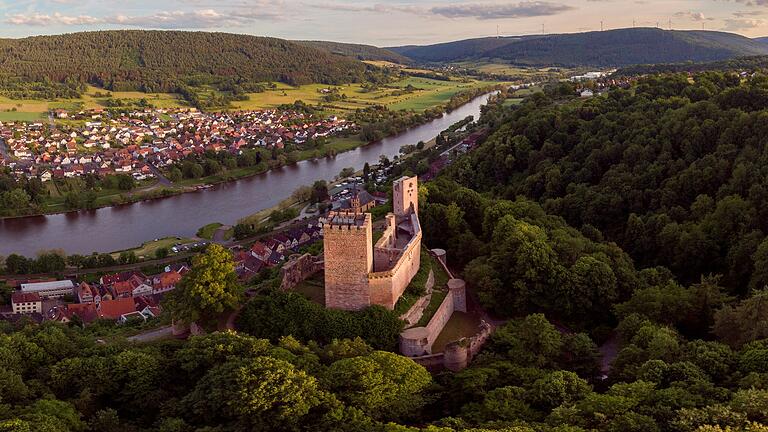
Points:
x=21 y=116
x=207 y=231
x=428 y=93
x=30 y=110
x=148 y=249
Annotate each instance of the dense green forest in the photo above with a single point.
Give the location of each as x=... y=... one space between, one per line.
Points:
x=160 y=61
x=672 y=171
x=604 y=49
x=748 y=64
x=358 y=51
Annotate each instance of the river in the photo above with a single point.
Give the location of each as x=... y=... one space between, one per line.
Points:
x=121 y=227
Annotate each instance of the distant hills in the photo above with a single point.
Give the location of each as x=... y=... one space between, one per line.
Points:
x=360 y=52
x=763 y=40
x=158 y=60
x=604 y=49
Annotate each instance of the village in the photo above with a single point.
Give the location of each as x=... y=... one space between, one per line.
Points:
x=105 y=142
x=132 y=296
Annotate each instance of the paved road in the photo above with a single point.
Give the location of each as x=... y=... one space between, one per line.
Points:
x=163 y=180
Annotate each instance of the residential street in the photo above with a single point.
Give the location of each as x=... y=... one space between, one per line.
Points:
x=163 y=180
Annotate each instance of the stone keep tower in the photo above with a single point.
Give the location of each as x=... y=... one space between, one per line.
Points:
x=405 y=196
x=348 y=253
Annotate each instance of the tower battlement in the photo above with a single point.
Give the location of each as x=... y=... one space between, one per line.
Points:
x=357 y=275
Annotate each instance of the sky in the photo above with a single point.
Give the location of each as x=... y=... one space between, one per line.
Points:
x=380 y=23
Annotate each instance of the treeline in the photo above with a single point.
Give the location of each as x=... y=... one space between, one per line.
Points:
x=20 y=197
x=160 y=61
x=672 y=171
x=379 y=122
x=748 y=64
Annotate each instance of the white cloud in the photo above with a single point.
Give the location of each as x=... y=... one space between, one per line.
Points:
x=37 y=19
x=742 y=24
x=501 y=10
x=199 y=18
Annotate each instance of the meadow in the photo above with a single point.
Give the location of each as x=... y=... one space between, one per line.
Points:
x=93 y=98
x=426 y=93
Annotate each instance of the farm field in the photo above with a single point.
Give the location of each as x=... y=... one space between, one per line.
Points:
x=428 y=93
x=502 y=68
x=31 y=110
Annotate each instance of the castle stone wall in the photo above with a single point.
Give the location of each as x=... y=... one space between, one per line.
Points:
x=405 y=196
x=298 y=269
x=348 y=254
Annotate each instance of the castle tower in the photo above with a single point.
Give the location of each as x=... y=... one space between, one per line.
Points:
x=348 y=254
x=405 y=196
x=354 y=202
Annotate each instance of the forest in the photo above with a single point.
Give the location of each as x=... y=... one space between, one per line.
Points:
x=161 y=61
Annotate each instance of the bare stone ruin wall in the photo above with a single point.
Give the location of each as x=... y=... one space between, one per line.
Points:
x=298 y=269
x=387 y=287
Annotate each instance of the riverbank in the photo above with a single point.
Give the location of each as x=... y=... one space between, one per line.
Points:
x=125 y=226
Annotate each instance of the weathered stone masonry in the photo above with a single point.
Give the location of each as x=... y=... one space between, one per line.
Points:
x=357 y=274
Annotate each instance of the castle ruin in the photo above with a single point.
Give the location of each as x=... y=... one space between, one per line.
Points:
x=359 y=274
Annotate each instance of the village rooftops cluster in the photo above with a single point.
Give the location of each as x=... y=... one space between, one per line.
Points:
x=120 y=296
x=129 y=142
x=273 y=251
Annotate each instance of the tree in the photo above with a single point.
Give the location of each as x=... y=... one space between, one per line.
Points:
x=259 y=393
x=162 y=252
x=745 y=322
x=557 y=388
x=382 y=384
x=17 y=264
x=346 y=172
x=174 y=174
x=208 y=289
x=125 y=182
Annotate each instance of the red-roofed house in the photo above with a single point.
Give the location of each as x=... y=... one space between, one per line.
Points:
x=86 y=312
x=165 y=281
x=26 y=303
x=114 y=309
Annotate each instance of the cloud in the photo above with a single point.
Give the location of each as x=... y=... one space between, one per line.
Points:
x=466 y=10
x=37 y=19
x=692 y=16
x=742 y=24
x=745 y=14
x=500 y=11
x=200 y=18
x=753 y=2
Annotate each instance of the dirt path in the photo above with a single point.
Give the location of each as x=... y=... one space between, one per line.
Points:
x=153 y=335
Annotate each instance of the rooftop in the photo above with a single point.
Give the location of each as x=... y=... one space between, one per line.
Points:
x=344 y=218
x=46 y=286
x=22 y=297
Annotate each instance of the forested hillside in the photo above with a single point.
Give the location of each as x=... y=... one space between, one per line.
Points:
x=601 y=49
x=160 y=60
x=746 y=64
x=358 y=51
x=673 y=171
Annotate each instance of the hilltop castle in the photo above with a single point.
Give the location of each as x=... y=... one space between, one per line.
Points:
x=359 y=274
